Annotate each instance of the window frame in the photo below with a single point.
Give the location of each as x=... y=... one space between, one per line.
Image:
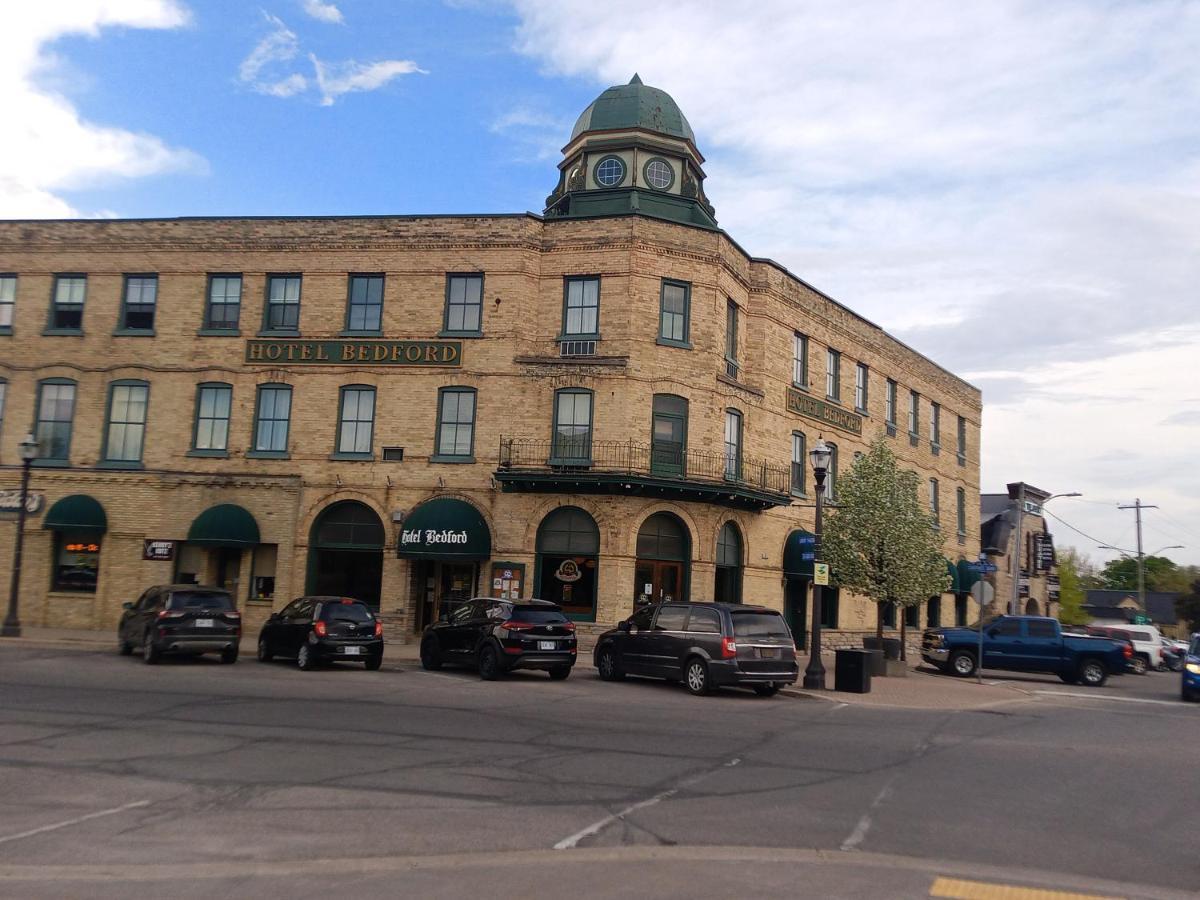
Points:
x=207 y=327
x=348 y=329
x=800 y=491
x=800 y=339
x=889 y=405
x=447 y=331
x=961 y=438
x=259 y=390
x=124 y=329
x=663 y=340
x=564 y=333
x=62 y=537
x=646 y=174
x=11 y=304
x=269 y=330
x=833 y=375
x=338 y=452
x=52 y=326
x=862 y=387
x=438 y=454
x=106 y=461
x=601 y=161
x=960 y=503
x=735 y=415
x=732 y=367
x=831 y=473
x=914 y=413
x=207 y=451
x=55 y=461
x=935 y=427
x=935 y=502
x=586 y=460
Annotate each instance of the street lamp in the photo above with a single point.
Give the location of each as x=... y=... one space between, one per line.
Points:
x=814 y=674
x=27 y=450
x=1014 y=602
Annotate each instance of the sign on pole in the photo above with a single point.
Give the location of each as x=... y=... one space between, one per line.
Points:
x=983 y=593
x=821 y=574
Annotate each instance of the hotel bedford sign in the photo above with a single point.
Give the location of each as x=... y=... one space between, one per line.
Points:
x=354 y=353
x=802 y=404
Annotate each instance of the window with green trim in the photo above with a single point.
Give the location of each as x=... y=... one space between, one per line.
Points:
x=283 y=303
x=8 y=299
x=832 y=472
x=935 y=502
x=889 y=407
x=213 y=405
x=66 y=307
x=356 y=419
x=800 y=360
x=364 y=305
x=862 y=378
x=675 y=311
x=962 y=440
x=960 y=504
x=3 y=395
x=272 y=418
x=125 y=429
x=731 y=339
x=224 y=308
x=572 y=437
x=799 y=462
x=833 y=375
x=733 y=444
x=55 y=417
x=464 y=305
x=139 y=303
x=456 y=422
x=935 y=424
x=914 y=413
x=581 y=307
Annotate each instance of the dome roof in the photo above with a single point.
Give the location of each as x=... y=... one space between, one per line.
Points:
x=634 y=105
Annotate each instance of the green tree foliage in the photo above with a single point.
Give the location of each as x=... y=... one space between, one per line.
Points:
x=1121 y=574
x=1187 y=607
x=879 y=539
x=1072 y=591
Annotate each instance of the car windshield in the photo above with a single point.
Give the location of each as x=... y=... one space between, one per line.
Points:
x=985 y=623
x=345 y=612
x=538 y=615
x=759 y=624
x=198 y=600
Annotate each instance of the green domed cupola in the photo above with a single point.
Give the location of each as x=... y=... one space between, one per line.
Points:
x=632 y=151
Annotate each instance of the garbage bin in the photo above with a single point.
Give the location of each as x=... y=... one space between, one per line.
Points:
x=852 y=670
x=878 y=655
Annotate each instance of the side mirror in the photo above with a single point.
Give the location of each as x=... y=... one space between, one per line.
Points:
x=127 y=605
x=624 y=627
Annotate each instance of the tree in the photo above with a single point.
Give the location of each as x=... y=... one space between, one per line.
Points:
x=1071 y=591
x=879 y=540
x=1121 y=574
x=1187 y=607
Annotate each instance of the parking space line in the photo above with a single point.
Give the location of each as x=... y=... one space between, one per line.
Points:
x=1106 y=697
x=77 y=820
x=961 y=889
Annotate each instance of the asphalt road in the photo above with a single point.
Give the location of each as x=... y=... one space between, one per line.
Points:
x=193 y=779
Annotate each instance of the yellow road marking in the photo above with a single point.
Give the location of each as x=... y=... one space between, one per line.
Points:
x=959 y=889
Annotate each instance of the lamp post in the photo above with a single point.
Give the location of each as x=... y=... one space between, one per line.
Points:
x=27 y=450
x=1014 y=602
x=814 y=674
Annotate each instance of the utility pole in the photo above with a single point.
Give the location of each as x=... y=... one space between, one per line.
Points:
x=1137 y=506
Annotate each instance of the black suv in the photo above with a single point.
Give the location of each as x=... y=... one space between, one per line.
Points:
x=321 y=629
x=705 y=645
x=180 y=618
x=497 y=636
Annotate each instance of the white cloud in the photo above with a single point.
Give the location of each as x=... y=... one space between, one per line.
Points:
x=335 y=79
x=280 y=45
x=323 y=12
x=1005 y=186
x=47 y=146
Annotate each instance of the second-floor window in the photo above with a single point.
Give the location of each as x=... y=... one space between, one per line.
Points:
x=935 y=424
x=674 y=312
x=800 y=360
x=799 y=462
x=733 y=444
x=960 y=502
x=861 y=377
x=935 y=504
x=889 y=406
x=914 y=413
x=283 y=303
x=572 y=438
x=213 y=403
x=139 y=302
x=356 y=420
x=224 y=303
x=464 y=305
x=126 y=428
x=273 y=418
x=456 y=423
x=833 y=375
x=364 y=305
x=581 y=308
x=831 y=473
x=8 y=297
x=55 y=415
x=66 y=309
x=731 y=339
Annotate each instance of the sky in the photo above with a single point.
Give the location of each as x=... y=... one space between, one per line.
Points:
x=1011 y=188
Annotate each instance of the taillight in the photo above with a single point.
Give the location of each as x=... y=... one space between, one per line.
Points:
x=570 y=626
x=232 y=614
x=512 y=625
x=170 y=614
x=378 y=629
x=1128 y=650
x=728 y=648
x=319 y=628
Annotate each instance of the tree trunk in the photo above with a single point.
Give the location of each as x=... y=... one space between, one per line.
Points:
x=903 y=633
x=879 y=623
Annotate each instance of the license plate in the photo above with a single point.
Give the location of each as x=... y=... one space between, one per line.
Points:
x=547 y=645
x=768 y=653
x=204 y=623
x=352 y=651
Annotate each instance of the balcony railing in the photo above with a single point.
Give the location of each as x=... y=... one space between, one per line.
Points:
x=659 y=460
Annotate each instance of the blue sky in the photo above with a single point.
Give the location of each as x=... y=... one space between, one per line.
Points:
x=1011 y=188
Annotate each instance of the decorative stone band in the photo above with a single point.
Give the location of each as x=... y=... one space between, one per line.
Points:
x=802 y=404
x=354 y=353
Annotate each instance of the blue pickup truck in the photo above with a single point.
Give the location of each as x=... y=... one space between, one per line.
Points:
x=1027 y=644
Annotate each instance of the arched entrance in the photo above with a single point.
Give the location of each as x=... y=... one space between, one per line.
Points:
x=1031 y=608
x=799 y=551
x=345 y=553
x=445 y=540
x=664 y=553
x=568 y=553
x=728 y=587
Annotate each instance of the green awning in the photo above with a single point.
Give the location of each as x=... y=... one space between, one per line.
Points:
x=445 y=528
x=967 y=576
x=226 y=525
x=955 y=581
x=78 y=512
x=799 y=553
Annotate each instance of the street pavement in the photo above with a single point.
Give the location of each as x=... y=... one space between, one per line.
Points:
x=192 y=778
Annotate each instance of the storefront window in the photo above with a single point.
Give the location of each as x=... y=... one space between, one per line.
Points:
x=76 y=562
x=568 y=547
x=262 y=576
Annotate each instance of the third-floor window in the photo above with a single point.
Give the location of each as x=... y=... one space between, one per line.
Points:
x=731 y=339
x=464 y=305
x=224 y=303
x=889 y=406
x=283 y=303
x=800 y=360
x=364 y=305
x=833 y=375
x=581 y=308
x=861 y=378
x=139 y=302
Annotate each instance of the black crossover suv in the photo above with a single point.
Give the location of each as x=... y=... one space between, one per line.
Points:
x=181 y=618
x=497 y=636
x=314 y=630
x=704 y=645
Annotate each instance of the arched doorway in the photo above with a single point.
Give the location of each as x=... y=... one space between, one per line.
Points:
x=568 y=553
x=728 y=587
x=799 y=552
x=664 y=552
x=1031 y=608
x=345 y=553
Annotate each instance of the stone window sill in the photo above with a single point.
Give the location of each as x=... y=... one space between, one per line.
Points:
x=208 y=454
x=268 y=454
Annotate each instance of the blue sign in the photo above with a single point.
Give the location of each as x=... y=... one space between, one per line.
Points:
x=982 y=568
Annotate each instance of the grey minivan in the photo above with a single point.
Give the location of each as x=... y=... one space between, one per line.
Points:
x=704 y=645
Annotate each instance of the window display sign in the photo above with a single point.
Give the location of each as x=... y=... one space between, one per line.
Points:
x=507 y=580
x=160 y=551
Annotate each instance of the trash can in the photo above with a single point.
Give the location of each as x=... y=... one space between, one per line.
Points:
x=878 y=655
x=852 y=671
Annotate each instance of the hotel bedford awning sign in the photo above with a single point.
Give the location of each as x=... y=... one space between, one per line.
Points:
x=354 y=353
x=802 y=404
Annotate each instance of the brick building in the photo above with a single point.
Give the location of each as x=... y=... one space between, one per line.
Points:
x=609 y=402
x=1037 y=584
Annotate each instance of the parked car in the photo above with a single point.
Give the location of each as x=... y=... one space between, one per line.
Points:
x=1147 y=644
x=180 y=618
x=1173 y=655
x=1189 y=685
x=498 y=636
x=1026 y=644
x=705 y=645
x=315 y=630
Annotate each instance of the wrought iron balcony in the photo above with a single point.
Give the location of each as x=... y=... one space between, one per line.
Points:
x=662 y=469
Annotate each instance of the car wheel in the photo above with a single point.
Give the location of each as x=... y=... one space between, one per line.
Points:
x=489 y=663
x=431 y=656
x=229 y=655
x=766 y=690
x=374 y=662
x=150 y=652
x=306 y=659
x=1068 y=679
x=264 y=651
x=695 y=676
x=607 y=666
x=962 y=663
x=1092 y=673
x=1137 y=666
x=560 y=673
x=123 y=646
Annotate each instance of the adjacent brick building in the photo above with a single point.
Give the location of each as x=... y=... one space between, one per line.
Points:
x=607 y=403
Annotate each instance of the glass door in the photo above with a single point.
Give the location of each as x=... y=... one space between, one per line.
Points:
x=666 y=453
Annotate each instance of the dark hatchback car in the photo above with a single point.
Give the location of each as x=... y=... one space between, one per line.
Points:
x=704 y=645
x=181 y=618
x=314 y=630
x=497 y=636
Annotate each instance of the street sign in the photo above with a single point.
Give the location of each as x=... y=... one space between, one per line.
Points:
x=821 y=574
x=1140 y=619
x=983 y=593
x=982 y=568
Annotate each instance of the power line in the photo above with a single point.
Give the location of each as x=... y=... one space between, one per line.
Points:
x=1095 y=540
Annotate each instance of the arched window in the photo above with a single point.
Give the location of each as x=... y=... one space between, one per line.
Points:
x=664 y=551
x=345 y=554
x=568 y=553
x=728 y=587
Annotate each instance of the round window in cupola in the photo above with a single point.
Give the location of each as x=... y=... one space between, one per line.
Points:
x=610 y=171
x=659 y=174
